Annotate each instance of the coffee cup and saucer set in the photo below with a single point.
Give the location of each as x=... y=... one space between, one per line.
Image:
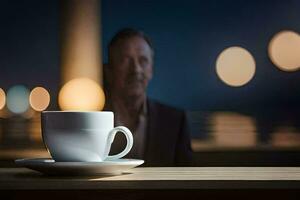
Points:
x=79 y=143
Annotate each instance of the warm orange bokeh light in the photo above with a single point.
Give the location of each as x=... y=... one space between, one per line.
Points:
x=285 y=137
x=233 y=129
x=81 y=94
x=235 y=66
x=284 y=50
x=39 y=98
x=2 y=98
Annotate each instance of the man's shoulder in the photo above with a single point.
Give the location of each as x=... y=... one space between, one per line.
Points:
x=163 y=108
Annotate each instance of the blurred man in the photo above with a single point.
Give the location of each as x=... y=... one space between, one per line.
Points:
x=161 y=137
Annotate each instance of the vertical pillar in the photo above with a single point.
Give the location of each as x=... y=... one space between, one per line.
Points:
x=80 y=40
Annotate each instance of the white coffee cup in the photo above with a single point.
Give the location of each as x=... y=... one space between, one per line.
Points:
x=79 y=136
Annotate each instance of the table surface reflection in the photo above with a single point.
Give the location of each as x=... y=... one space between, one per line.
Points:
x=159 y=178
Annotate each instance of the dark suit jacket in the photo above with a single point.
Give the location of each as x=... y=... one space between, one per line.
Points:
x=167 y=137
x=167 y=140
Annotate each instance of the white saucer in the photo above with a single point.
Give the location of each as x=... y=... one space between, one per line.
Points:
x=50 y=167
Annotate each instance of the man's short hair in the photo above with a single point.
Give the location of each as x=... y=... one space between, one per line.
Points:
x=127 y=33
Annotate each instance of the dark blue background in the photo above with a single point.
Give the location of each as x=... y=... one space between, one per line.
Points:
x=188 y=36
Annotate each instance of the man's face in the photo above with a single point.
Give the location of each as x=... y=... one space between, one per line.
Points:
x=131 y=66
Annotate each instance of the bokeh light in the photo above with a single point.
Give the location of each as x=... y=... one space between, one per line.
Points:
x=39 y=98
x=17 y=99
x=233 y=129
x=2 y=98
x=235 y=66
x=285 y=136
x=81 y=94
x=284 y=50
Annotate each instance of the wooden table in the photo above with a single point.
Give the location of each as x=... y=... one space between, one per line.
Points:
x=151 y=183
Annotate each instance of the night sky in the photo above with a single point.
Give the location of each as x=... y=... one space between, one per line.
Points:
x=187 y=35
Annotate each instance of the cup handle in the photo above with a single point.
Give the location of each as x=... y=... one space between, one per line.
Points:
x=129 y=144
